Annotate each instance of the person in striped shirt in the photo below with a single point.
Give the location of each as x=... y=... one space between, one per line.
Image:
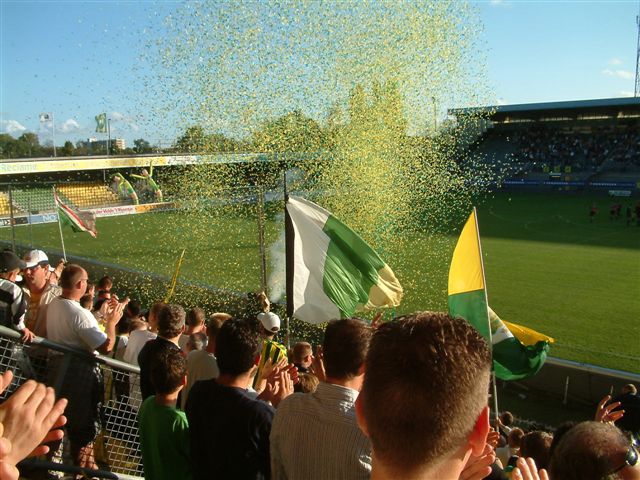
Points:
x=315 y=435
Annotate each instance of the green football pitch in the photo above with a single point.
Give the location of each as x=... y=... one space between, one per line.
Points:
x=547 y=266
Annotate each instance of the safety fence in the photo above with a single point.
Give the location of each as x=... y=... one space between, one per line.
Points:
x=104 y=397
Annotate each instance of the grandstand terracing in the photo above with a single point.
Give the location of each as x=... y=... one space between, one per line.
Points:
x=35 y=199
x=580 y=142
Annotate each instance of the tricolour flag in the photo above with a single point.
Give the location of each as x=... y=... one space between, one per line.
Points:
x=79 y=221
x=101 y=123
x=331 y=271
x=512 y=358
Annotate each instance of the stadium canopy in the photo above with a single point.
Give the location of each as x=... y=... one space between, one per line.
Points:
x=72 y=164
x=599 y=109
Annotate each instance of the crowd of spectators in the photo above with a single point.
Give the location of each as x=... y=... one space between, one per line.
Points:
x=553 y=150
x=221 y=398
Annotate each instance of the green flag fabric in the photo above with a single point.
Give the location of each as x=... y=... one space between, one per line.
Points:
x=101 y=123
x=335 y=272
x=512 y=359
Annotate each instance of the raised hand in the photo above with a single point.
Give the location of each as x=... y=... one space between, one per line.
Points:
x=479 y=467
x=604 y=412
x=317 y=365
x=526 y=470
x=28 y=417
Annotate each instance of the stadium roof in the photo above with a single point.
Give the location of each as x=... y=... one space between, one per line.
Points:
x=603 y=106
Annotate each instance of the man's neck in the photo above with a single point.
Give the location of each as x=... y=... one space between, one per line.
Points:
x=173 y=340
x=355 y=383
x=239 y=381
x=448 y=469
x=167 y=399
x=71 y=295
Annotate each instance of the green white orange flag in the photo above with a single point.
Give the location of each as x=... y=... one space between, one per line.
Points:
x=331 y=271
x=78 y=220
x=512 y=358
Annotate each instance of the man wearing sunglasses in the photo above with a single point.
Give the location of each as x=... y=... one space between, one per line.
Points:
x=38 y=289
x=595 y=451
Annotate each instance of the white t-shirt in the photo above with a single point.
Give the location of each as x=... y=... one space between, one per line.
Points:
x=137 y=340
x=70 y=324
x=201 y=365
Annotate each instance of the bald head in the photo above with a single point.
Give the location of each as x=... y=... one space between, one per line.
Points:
x=73 y=281
x=589 y=451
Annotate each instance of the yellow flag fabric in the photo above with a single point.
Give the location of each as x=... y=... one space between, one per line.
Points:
x=527 y=336
x=465 y=273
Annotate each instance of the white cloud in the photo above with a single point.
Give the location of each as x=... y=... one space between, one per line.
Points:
x=625 y=93
x=501 y=101
x=11 y=127
x=69 y=125
x=116 y=116
x=615 y=61
x=624 y=74
x=124 y=121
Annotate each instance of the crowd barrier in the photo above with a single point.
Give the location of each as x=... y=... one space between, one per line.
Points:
x=85 y=380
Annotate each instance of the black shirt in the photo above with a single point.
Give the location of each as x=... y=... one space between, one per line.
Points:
x=229 y=432
x=146 y=360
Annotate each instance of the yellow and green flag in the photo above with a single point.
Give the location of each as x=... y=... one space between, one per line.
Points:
x=518 y=352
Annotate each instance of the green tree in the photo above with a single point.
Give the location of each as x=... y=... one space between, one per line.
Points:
x=68 y=149
x=8 y=146
x=29 y=145
x=291 y=133
x=81 y=148
x=193 y=140
x=140 y=145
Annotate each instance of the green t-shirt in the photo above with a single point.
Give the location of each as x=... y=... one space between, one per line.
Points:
x=164 y=439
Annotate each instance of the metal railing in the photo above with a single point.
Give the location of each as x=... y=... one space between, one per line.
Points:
x=85 y=380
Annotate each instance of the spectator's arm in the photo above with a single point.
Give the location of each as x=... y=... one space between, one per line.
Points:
x=113 y=314
x=28 y=418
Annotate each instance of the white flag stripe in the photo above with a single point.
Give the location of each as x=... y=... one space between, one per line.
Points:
x=310 y=302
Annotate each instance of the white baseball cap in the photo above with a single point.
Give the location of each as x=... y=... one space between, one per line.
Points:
x=270 y=321
x=36 y=257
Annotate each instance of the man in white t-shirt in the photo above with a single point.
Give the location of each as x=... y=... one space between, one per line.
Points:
x=138 y=338
x=71 y=325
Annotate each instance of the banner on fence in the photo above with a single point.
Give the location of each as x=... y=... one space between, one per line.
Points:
x=99 y=212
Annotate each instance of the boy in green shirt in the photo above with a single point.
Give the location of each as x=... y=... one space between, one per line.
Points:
x=164 y=430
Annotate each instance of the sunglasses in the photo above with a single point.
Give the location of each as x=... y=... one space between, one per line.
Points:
x=630 y=459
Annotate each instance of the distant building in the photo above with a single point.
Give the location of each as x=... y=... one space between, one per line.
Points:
x=93 y=144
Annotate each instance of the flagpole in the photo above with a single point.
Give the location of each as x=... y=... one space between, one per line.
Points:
x=263 y=253
x=288 y=242
x=109 y=136
x=53 y=136
x=55 y=199
x=486 y=301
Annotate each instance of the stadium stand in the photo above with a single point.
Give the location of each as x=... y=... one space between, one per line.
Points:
x=32 y=199
x=89 y=194
x=588 y=139
x=5 y=207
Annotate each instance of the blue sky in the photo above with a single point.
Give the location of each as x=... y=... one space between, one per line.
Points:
x=77 y=59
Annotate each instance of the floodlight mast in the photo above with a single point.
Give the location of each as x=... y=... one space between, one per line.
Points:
x=636 y=92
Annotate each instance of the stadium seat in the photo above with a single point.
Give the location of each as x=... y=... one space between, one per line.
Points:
x=89 y=195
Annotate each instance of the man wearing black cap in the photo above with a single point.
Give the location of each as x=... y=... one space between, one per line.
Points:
x=13 y=305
